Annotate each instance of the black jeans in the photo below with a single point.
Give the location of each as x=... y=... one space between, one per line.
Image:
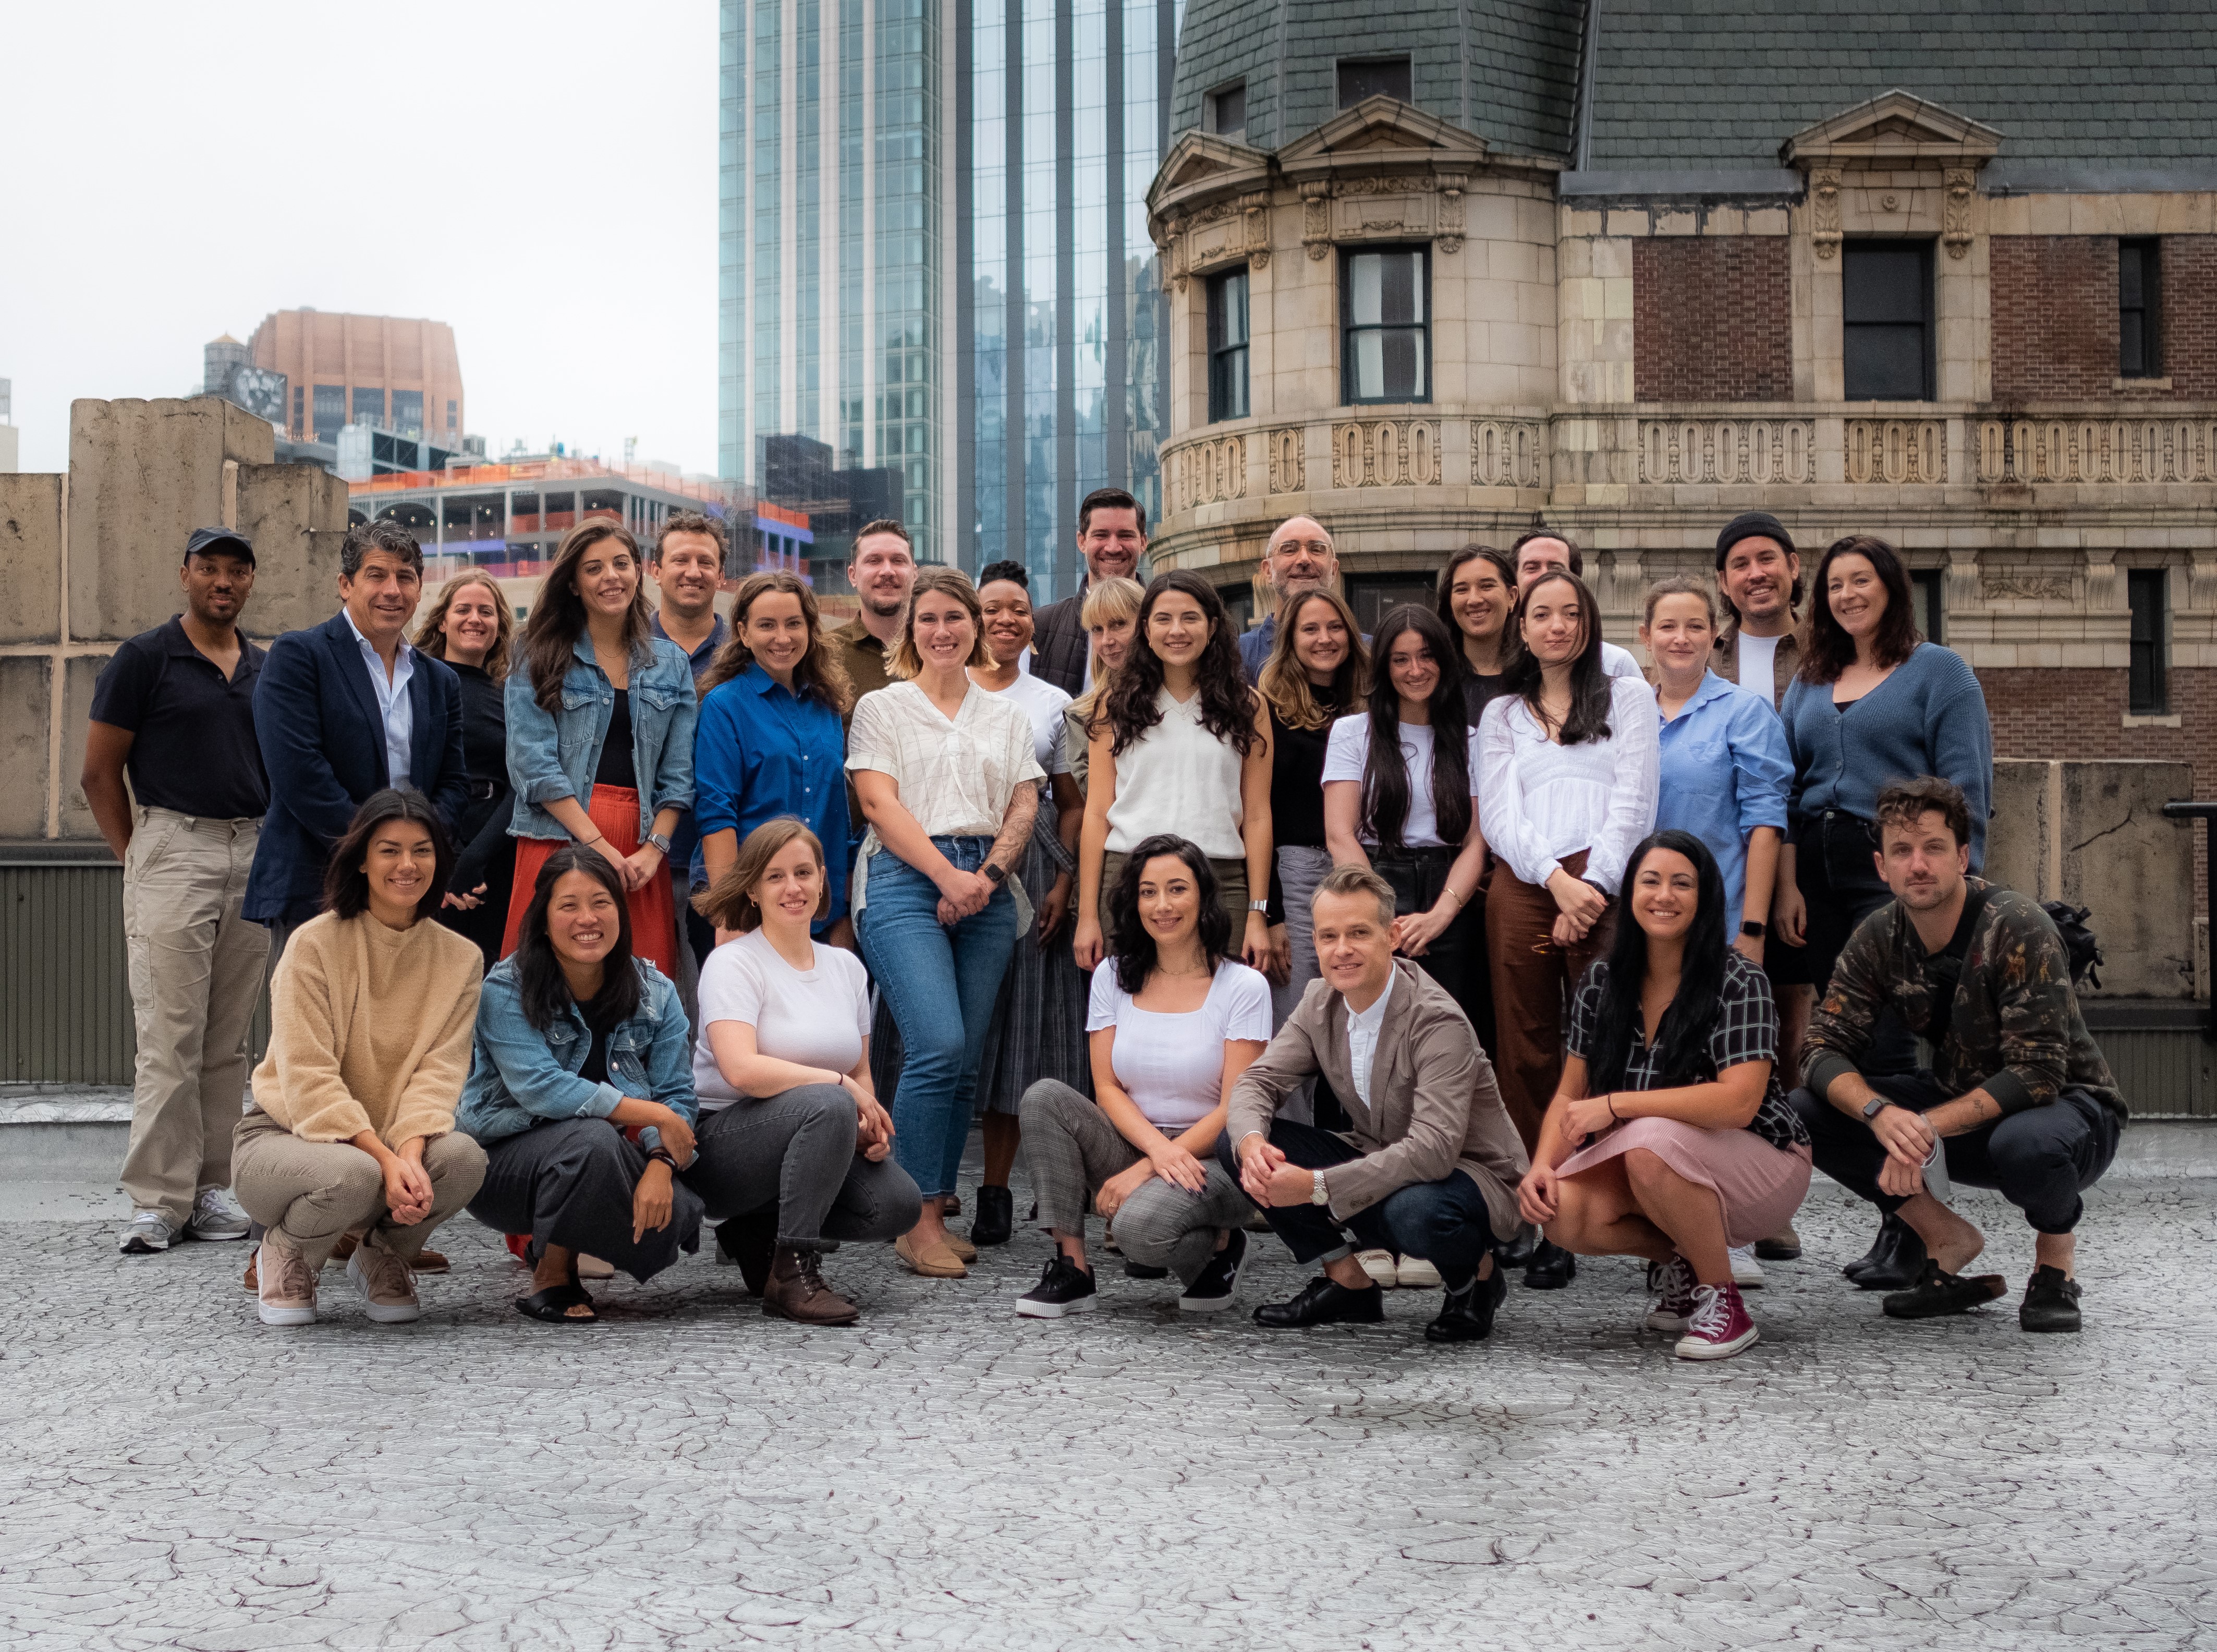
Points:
x=1456 y=958
x=1835 y=869
x=2039 y=1160
x=1446 y=1222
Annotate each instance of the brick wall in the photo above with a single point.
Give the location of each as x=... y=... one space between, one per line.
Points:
x=1713 y=319
x=2055 y=316
x=2190 y=314
x=2079 y=713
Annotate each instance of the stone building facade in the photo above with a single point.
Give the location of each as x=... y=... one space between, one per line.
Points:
x=1978 y=319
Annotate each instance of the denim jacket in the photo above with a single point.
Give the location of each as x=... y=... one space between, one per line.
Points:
x=554 y=756
x=519 y=1076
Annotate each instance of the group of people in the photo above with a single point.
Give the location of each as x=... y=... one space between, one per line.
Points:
x=1463 y=946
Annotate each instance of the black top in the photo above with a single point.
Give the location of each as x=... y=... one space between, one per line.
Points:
x=602 y=1022
x=1478 y=692
x=617 y=767
x=484 y=726
x=193 y=749
x=1297 y=780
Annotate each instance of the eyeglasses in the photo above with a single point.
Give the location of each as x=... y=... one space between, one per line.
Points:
x=1315 y=547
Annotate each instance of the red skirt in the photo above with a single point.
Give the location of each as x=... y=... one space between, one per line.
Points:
x=614 y=809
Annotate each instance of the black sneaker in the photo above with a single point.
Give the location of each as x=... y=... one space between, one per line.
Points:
x=1144 y=1271
x=2051 y=1302
x=1218 y=1287
x=1063 y=1288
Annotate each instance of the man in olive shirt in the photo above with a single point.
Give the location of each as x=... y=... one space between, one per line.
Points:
x=883 y=572
x=173 y=708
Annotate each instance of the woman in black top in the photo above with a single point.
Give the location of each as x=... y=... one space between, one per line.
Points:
x=1477 y=602
x=470 y=627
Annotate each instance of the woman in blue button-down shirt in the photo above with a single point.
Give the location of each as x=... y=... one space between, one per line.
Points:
x=600 y=732
x=771 y=741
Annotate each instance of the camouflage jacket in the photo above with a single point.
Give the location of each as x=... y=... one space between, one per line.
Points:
x=2016 y=1030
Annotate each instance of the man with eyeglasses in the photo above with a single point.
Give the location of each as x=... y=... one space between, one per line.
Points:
x=1299 y=558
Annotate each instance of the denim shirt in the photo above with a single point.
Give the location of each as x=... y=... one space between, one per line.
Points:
x=519 y=1076
x=552 y=756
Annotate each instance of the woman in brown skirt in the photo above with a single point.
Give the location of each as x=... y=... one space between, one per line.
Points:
x=1670 y=1136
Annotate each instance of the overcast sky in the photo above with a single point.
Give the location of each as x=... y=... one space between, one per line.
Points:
x=541 y=176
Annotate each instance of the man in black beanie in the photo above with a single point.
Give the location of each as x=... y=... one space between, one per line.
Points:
x=1759 y=578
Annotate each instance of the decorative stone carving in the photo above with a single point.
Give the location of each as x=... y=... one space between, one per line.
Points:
x=1955 y=220
x=1204 y=472
x=2097 y=450
x=1174 y=253
x=1508 y=452
x=1288 y=464
x=1753 y=451
x=2020 y=586
x=1898 y=450
x=1385 y=453
x=1825 y=210
x=1451 y=214
x=1316 y=216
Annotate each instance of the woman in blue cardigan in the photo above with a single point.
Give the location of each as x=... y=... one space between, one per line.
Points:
x=1872 y=703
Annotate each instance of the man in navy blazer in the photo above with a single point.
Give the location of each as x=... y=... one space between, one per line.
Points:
x=344 y=709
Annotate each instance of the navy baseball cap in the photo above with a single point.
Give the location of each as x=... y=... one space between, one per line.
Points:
x=227 y=540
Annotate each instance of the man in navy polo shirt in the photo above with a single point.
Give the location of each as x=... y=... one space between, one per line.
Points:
x=173 y=708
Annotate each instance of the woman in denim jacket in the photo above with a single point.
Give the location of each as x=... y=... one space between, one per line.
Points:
x=581 y=1092
x=599 y=732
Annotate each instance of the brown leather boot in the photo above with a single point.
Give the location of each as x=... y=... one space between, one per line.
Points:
x=797 y=1291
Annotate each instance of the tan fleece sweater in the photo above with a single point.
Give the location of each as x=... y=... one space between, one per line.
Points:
x=369 y=1030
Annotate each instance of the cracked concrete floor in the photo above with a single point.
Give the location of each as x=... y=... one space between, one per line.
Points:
x=688 y=1473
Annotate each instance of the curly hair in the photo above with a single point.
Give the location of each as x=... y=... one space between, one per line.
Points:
x=1129 y=941
x=1227 y=704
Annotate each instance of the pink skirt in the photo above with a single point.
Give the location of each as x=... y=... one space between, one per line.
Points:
x=1759 y=1187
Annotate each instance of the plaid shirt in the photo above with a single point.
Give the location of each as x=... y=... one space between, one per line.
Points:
x=1746 y=1030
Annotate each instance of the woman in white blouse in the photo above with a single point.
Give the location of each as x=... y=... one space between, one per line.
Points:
x=1567 y=764
x=1183 y=749
x=791 y=1152
x=1173 y=1023
x=947 y=778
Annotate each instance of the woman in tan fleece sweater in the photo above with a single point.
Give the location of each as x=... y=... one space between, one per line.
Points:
x=352 y=1121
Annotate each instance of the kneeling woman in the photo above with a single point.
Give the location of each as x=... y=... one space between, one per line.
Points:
x=795 y=1148
x=1173 y=1023
x=351 y=1124
x=581 y=1092
x=1670 y=1136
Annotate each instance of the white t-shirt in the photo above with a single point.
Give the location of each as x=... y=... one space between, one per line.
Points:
x=1043 y=703
x=1172 y=1066
x=1348 y=750
x=817 y=1018
x=1758 y=667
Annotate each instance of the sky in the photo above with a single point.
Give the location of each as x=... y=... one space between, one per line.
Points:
x=542 y=177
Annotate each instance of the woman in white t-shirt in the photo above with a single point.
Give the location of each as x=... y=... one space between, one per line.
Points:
x=793 y=1148
x=1173 y=1023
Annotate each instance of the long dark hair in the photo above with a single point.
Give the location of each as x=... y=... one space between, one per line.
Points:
x=1443 y=605
x=1385 y=778
x=1590 y=686
x=1682 y=1034
x=1133 y=947
x=538 y=978
x=1227 y=704
x=557 y=618
x=346 y=886
x=1826 y=648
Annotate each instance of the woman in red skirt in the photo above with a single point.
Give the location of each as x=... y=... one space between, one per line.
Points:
x=599 y=732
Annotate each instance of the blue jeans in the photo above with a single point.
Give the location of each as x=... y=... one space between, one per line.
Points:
x=941 y=984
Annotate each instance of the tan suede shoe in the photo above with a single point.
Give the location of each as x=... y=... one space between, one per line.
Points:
x=937 y=1262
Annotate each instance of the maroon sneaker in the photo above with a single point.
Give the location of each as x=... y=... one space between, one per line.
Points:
x=1673 y=1281
x=1720 y=1325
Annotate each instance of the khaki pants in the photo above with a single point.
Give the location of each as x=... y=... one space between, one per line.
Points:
x=307 y=1193
x=195 y=970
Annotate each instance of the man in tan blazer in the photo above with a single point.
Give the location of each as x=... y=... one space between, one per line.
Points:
x=1430 y=1164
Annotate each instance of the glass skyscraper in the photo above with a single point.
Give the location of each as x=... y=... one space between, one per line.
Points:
x=934 y=255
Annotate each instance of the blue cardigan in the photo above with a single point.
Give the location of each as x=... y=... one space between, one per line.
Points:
x=1929 y=717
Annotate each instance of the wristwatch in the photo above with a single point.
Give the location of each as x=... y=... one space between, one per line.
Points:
x=659 y=841
x=1258 y=906
x=1873 y=1106
x=1317 y=1193
x=995 y=876
x=1750 y=927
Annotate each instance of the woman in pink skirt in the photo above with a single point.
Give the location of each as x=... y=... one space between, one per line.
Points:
x=1670 y=1136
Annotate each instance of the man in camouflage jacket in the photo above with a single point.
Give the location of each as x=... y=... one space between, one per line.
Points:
x=2018 y=1098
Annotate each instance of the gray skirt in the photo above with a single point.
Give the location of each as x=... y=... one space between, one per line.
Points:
x=1038 y=1029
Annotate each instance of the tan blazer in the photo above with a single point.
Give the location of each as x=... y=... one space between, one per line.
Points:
x=1433 y=1109
x=1784 y=662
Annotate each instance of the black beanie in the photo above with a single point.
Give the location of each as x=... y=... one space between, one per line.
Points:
x=1751 y=524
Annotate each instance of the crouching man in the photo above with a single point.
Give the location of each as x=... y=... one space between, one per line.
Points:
x=1430 y=1164
x=2018 y=1098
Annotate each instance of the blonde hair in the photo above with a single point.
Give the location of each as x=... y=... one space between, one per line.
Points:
x=952 y=582
x=431 y=634
x=729 y=902
x=1284 y=680
x=1106 y=601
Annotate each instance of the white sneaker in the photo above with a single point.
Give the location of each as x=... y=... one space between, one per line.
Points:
x=1381 y=1266
x=1416 y=1274
x=149 y=1232
x=1747 y=1273
x=212 y=1217
x=284 y=1288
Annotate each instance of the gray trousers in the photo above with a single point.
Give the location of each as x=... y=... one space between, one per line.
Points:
x=1072 y=1149
x=570 y=1182
x=794 y=1152
x=1300 y=869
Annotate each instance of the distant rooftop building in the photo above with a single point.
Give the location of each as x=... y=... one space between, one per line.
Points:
x=399 y=375
x=221 y=357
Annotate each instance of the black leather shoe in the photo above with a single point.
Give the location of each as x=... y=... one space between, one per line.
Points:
x=1890 y=1230
x=1141 y=1271
x=751 y=1241
x=996 y=1219
x=1936 y=1293
x=1517 y=1253
x=2051 y=1302
x=1784 y=1246
x=1901 y=1263
x=1551 y=1268
x=1323 y=1302
x=1467 y=1314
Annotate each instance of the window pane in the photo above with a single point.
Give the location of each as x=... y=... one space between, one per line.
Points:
x=1404 y=286
x=1884 y=363
x=1405 y=364
x=2129 y=275
x=1386 y=77
x=2132 y=348
x=1884 y=283
x=1365 y=277
x=1369 y=367
x=1231 y=105
x=1235 y=309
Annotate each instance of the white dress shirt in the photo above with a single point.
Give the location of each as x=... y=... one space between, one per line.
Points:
x=1362 y=1030
x=1539 y=802
x=400 y=716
